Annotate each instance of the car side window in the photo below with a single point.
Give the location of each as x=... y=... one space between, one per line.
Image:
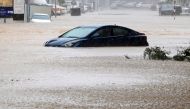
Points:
x=105 y=32
x=120 y=32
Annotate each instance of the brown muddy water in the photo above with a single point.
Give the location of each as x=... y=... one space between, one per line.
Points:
x=35 y=77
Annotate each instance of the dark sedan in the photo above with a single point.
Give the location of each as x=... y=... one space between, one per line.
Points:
x=99 y=36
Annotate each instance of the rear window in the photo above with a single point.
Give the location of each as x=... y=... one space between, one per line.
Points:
x=43 y=17
x=167 y=6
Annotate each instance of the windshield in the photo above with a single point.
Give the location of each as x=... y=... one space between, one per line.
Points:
x=43 y=17
x=167 y=6
x=79 y=32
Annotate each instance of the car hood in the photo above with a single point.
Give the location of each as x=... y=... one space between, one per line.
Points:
x=59 y=41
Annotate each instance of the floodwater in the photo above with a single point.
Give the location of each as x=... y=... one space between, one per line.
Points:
x=36 y=77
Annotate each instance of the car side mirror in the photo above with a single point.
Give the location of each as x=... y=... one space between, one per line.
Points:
x=60 y=36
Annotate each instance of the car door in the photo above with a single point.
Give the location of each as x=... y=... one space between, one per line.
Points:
x=121 y=36
x=100 y=37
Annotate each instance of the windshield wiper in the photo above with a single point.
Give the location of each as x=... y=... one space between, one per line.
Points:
x=71 y=37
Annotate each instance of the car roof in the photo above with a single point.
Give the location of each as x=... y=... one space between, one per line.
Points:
x=98 y=25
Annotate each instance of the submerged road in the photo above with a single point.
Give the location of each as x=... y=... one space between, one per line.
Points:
x=36 y=77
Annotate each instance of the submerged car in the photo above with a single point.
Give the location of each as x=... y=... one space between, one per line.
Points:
x=40 y=18
x=166 y=9
x=99 y=36
x=178 y=9
x=170 y=9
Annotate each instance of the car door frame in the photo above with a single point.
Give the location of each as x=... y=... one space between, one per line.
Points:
x=98 y=40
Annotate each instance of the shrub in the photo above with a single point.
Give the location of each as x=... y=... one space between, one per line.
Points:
x=182 y=55
x=156 y=53
x=179 y=57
